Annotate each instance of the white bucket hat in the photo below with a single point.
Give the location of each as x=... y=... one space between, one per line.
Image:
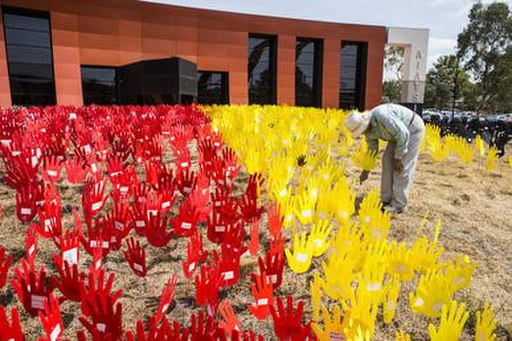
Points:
x=357 y=122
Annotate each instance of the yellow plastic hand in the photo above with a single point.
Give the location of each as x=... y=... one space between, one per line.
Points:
x=338 y=276
x=453 y=318
x=391 y=299
x=425 y=254
x=459 y=272
x=333 y=326
x=300 y=260
x=361 y=314
x=400 y=262
x=318 y=237
x=432 y=293
x=485 y=324
x=305 y=208
x=492 y=156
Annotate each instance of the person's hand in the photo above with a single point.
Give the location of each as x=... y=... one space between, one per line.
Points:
x=398 y=166
x=364 y=176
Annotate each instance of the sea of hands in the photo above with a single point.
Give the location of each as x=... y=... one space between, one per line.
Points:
x=100 y=147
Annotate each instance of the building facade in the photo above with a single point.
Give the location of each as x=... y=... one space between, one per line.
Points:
x=67 y=52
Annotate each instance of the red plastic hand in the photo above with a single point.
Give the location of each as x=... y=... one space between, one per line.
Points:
x=249 y=207
x=31 y=287
x=69 y=279
x=26 y=203
x=254 y=185
x=254 y=243
x=52 y=168
x=201 y=330
x=156 y=231
x=263 y=294
x=106 y=317
x=186 y=182
x=288 y=322
x=207 y=288
x=121 y=221
x=51 y=319
x=275 y=220
x=51 y=221
x=195 y=255
x=229 y=320
x=157 y=332
x=5 y=263
x=229 y=266
x=10 y=330
x=93 y=199
x=136 y=257
x=185 y=223
x=98 y=237
x=272 y=266
x=96 y=291
x=153 y=173
x=231 y=164
x=166 y=298
x=75 y=170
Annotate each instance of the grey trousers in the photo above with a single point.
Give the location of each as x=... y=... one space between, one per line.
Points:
x=395 y=187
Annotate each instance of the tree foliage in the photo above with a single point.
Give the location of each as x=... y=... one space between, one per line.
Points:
x=485 y=49
x=448 y=82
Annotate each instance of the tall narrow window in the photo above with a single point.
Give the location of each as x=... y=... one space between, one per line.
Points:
x=262 y=69
x=99 y=85
x=29 y=56
x=308 y=72
x=212 y=87
x=352 y=75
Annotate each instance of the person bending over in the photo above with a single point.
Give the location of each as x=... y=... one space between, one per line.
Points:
x=403 y=129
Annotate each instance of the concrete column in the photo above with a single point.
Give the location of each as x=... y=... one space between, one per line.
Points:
x=286 y=69
x=415 y=44
x=331 y=73
x=66 y=58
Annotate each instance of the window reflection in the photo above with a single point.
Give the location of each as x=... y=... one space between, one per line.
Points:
x=212 y=87
x=99 y=85
x=262 y=69
x=308 y=72
x=29 y=56
x=352 y=75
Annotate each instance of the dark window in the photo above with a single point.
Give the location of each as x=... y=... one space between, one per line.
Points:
x=352 y=75
x=29 y=56
x=212 y=87
x=99 y=85
x=308 y=72
x=262 y=69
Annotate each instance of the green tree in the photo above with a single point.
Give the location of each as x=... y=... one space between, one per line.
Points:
x=448 y=82
x=485 y=49
x=391 y=90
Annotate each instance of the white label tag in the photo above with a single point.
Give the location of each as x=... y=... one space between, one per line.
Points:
x=97 y=265
x=165 y=307
x=124 y=189
x=101 y=327
x=92 y=243
x=96 y=206
x=105 y=245
x=307 y=213
x=34 y=161
x=186 y=226
x=301 y=257
x=51 y=172
x=72 y=116
x=94 y=168
x=71 y=256
x=216 y=144
x=184 y=164
x=16 y=152
x=37 y=302
x=334 y=336
x=152 y=212
x=192 y=267
x=87 y=149
x=140 y=223
x=26 y=211
x=137 y=267
x=187 y=189
x=6 y=142
x=220 y=228
x=228 y=275
x=31 y=250
x=262 y=301
x=166 y=204
x=55 y=333
x=119 y=226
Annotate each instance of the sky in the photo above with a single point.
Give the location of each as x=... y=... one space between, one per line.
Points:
x=444 y=18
